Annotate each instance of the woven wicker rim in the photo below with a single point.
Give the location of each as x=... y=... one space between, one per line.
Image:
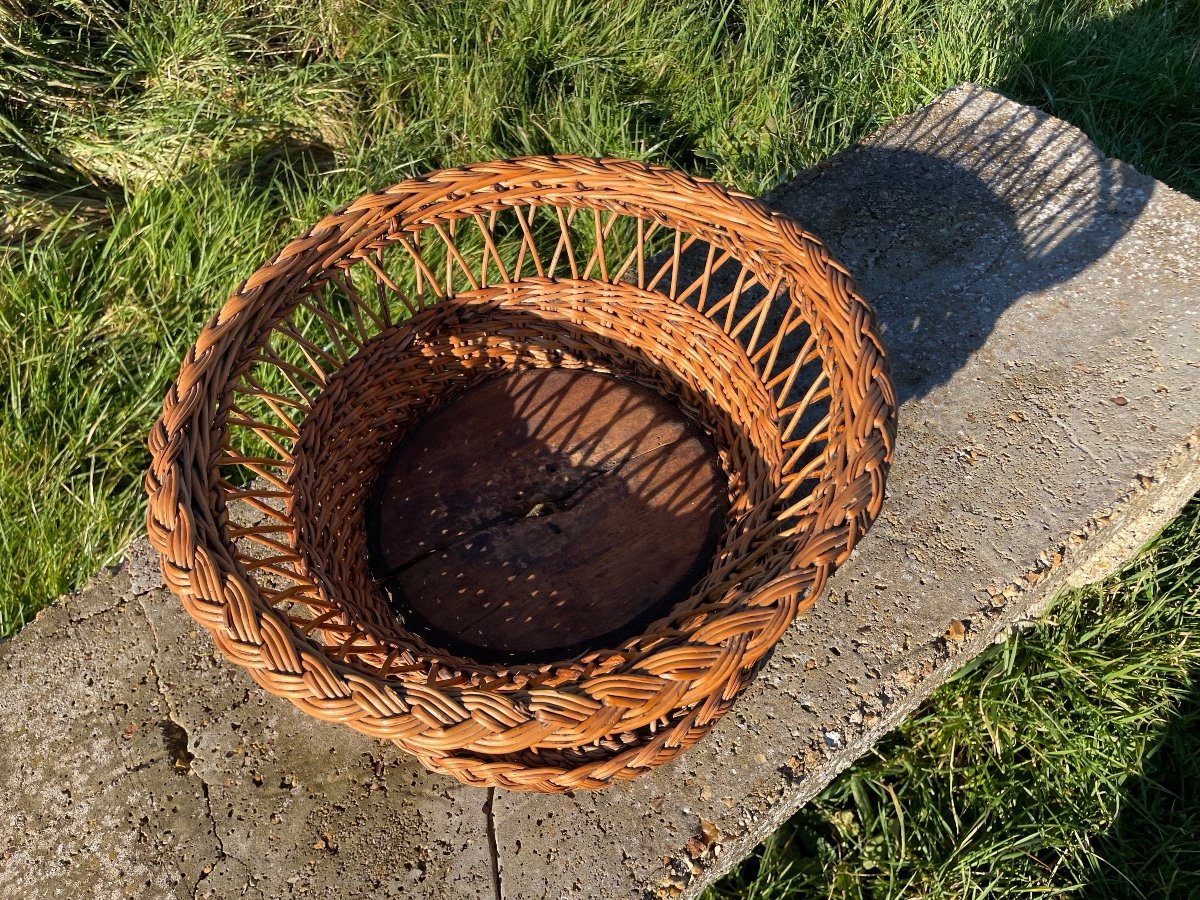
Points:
x=605 y=715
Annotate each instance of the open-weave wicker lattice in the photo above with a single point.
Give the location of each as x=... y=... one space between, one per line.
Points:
x=287 y=406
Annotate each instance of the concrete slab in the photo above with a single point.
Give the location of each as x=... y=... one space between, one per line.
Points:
x=1040 y=306
x=135 y=763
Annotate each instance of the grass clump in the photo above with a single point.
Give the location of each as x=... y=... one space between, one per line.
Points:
x=1065 y=762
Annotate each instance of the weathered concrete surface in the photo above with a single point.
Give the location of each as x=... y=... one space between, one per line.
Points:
x=1040 y=306
x=135 y=763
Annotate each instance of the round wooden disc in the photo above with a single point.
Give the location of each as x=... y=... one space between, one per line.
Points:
x=543 y=511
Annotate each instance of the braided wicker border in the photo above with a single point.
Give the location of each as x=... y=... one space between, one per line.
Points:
x=612 y=713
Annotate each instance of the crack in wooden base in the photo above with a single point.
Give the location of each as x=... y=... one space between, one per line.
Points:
x=545 y=510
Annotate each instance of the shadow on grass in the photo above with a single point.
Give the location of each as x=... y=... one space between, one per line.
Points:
x=1153 y=849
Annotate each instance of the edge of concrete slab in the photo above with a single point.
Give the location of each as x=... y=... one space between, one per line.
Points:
x=1110 y=540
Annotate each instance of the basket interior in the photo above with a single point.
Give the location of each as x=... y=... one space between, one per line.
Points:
x=404 y=325
x=544 y=512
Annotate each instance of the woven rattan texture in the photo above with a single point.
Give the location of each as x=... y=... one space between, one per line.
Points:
x=286 y=408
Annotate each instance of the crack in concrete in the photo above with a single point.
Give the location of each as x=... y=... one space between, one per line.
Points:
x=178 y=739
x=493 y=847
x=1073 y=438
x=80 y=620
x=221 y=854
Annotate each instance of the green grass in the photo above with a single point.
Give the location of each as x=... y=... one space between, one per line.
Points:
x=1065 y=762
x=151 y=155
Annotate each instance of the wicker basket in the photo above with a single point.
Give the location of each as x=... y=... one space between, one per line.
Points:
x=295 y=392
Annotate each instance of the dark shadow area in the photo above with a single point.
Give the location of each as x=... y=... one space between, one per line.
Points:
x=545 y=511
x=272 y=168
x=32 y=169
x=544 y=84
x=1130 y=81
x=954 y=214
x=284 y=162
x=1153 y=849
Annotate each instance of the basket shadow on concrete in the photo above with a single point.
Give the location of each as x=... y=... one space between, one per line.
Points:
x=899 y=210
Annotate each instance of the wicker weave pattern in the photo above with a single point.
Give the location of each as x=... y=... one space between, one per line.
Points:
x=405 y=297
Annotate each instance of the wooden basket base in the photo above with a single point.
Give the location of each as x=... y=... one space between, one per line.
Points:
x=543 y=511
